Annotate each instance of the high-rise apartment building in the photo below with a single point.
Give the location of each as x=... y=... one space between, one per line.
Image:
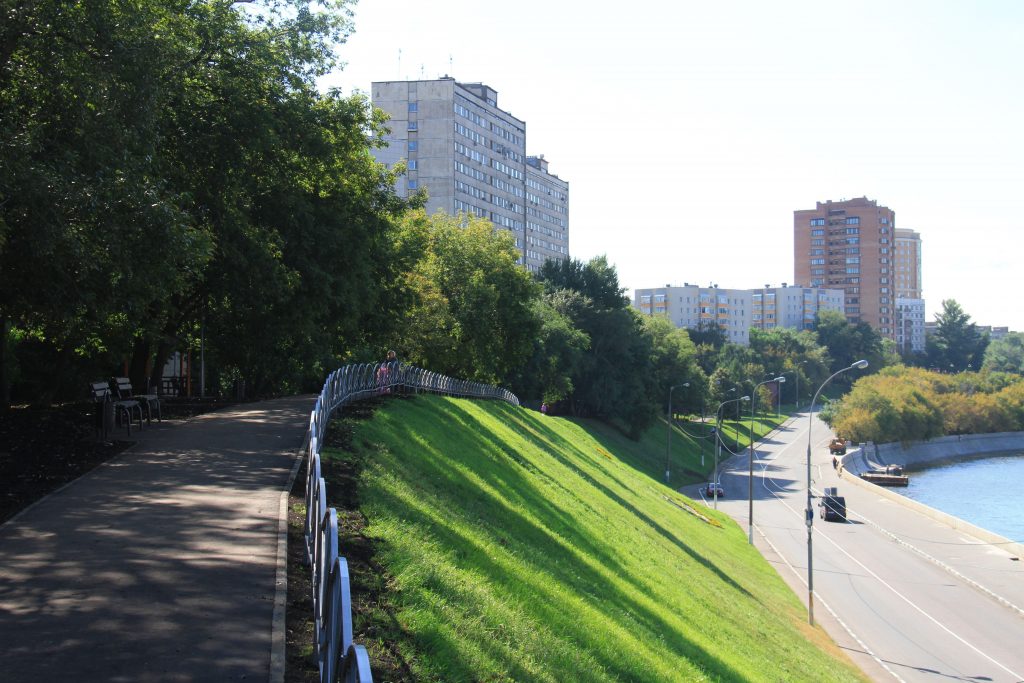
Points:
x=909 y=328
x=907 y=264
x=470 y=156
x=737 y=310
x=851 y=245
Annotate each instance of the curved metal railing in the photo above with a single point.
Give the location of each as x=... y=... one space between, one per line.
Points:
x=339 y=658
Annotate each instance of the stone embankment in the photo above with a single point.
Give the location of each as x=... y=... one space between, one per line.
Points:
x=867 y=456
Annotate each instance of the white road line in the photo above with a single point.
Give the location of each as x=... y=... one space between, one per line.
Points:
x=831 y=611
x=901 y=596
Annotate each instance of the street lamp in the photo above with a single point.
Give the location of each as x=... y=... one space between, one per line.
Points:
x=859 y=365
x=668 y=449
x=718 y=438
x=750 y=474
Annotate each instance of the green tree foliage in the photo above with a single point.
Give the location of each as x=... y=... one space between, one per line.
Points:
x=615 y=378
x=847 y=343
x=912 y=404
x=1006 y=354
x=167 y=164
x=956 y=345
x=475 y=310
x=558 y=349
x=674 y=361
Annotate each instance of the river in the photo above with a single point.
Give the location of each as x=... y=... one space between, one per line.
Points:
x=987 y=492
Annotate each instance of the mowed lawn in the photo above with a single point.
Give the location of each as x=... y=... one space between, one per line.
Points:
x=517 y=547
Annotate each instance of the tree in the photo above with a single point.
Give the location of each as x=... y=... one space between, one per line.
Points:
x=1006 y=354
x=847 y=343
x=614 y=380
x=171 y=166
x=673 y=361
x=558 y=350
x=956 y=344
x=476 y=314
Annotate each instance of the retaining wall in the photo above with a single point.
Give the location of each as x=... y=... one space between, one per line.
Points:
x=944 y=449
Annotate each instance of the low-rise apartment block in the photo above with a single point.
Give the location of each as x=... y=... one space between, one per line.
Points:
x=736 y=311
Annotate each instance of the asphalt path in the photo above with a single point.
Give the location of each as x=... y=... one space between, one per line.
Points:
x=907 y=597
x=164 y=564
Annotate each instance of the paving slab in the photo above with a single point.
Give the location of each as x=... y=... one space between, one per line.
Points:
x=160 y=565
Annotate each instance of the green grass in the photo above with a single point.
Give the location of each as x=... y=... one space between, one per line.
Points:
x=519 y=547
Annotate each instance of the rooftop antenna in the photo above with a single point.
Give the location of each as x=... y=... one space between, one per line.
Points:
x=399 y=63
x=450 y=69
x=422 y=67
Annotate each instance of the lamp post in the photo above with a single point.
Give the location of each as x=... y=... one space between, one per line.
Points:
x=859 y=365
x=668 y=448
x=750 y=473
x=718 y=438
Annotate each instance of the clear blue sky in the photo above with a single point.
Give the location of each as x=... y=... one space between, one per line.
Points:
x=690 y=131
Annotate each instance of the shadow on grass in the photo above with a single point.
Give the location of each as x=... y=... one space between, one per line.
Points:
x=443 y=467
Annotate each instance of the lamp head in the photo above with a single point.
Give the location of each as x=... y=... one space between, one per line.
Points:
x=780 y=380
x=744 y=398
x=860 y=365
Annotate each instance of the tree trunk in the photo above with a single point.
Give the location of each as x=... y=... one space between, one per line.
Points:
x=139 y=365
x=5 y=379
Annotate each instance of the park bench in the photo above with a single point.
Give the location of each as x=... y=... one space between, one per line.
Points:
x=123 y=387
x=102 y=396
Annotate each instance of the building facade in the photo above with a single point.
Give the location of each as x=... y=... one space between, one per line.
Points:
x=910 y=323
x=736 y=311
x=792 y=307
x=470 y=157
x=850 y=245
x=907 y=264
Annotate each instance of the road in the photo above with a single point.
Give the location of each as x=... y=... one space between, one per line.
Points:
x=908 y=598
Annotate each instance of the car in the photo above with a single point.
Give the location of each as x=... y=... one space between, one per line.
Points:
x=832 y=507
x=713 y=490
x=837 y=446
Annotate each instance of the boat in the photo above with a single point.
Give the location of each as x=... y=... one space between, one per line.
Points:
x=890 y=475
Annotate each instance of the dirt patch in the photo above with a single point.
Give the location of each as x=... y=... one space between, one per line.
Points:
x=374 y=622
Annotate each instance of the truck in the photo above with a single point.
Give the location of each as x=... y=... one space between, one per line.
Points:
x=837 y=446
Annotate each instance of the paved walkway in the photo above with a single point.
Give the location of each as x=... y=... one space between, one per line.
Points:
x=161 y=565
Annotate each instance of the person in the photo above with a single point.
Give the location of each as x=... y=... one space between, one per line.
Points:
x=835 y=462
x=384 y=372
x=544 y=408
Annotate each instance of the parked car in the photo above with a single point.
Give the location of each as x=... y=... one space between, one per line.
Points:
x=837 y=446
x=711 y=488
x=832 y=506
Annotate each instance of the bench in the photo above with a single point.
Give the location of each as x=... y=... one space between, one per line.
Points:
x=101 y=394
x=123 y=387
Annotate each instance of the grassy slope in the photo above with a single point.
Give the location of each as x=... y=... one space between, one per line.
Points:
x=522 y=548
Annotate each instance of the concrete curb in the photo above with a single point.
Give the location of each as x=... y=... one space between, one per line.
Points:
x=926 y=510
x=278 y=627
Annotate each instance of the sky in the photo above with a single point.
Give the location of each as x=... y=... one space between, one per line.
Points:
x=689 y=132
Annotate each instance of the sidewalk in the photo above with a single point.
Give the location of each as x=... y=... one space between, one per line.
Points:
x=160 y=565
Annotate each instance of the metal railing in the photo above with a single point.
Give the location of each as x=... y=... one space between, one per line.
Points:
x=338 y=656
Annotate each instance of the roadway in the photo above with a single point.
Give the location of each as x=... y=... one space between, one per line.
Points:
x=908 y=598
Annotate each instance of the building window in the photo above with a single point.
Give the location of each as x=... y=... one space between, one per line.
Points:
x=413 y=126
x=413 y=184
x=852 y=220
x=817 y=233
x=414 y=106
x=412 y=164
x=413 y=145
x=817 y=221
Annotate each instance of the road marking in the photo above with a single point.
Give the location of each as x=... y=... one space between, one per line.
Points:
x=881 y=581
x=831 y=611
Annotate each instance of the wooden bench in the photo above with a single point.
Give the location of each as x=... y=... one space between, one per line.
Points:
x=122 y=408
x=123 y=387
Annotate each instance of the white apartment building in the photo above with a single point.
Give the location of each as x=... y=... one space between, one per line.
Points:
x=909 y=327
x=470 y=156
x=736 y=311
